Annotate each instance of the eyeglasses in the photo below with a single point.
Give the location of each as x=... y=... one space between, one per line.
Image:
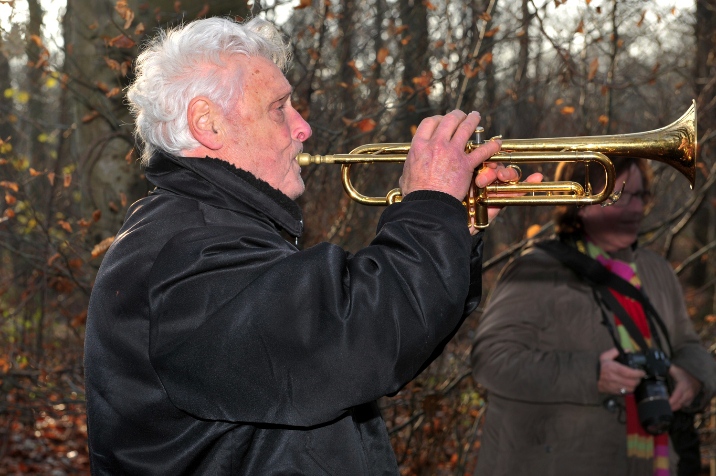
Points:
x=624 y=198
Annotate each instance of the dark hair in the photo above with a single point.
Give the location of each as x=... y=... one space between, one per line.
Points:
x=566 y=217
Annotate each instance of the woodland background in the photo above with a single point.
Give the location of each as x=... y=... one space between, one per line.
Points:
x=364 y=71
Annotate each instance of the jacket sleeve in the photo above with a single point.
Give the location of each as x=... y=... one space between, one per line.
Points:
x=665 y=292
x=539 y=339
x=245 y=328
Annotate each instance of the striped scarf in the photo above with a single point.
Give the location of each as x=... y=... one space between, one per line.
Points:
x=640 y=444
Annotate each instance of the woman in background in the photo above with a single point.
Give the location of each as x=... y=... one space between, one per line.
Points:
x=560 y=403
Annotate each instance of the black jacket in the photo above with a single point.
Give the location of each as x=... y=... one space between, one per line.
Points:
x=214 y=346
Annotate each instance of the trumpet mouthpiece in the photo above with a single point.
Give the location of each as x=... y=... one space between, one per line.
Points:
x=305 y=159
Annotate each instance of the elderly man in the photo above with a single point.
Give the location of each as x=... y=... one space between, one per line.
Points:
x=214 y=346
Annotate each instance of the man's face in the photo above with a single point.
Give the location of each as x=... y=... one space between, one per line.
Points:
x=616 y=227
x=264 y=133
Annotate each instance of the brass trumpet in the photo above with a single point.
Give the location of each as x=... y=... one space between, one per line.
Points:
x=674 y=145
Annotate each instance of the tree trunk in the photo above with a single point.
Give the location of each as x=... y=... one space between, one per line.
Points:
x=102 y=141
x=415 y=55
x=705 y=88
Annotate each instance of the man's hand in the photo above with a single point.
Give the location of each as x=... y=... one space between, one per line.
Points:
x=437 y=159
x=686 y=388
x=616 y=378
x=493 y=171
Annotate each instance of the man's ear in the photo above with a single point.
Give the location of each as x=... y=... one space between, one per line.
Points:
x=204 y=119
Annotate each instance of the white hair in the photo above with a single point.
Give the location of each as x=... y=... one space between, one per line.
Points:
x=189 y=61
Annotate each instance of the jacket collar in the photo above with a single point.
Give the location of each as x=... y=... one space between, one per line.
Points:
x=220 y=184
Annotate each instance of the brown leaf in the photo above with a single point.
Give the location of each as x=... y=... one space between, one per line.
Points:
x=113 y=92
x=80 y=319
x=96 y=215
x=303 y=4
x=567 y=110
x=580 y=27
x=113 y=64
x=203 y=12
x=352 y=65
x=90 y=116
x=121 y=7
x=102 y=247
x=9 y=213
x=123 y=199
x=37 y=40
x=75 y=263
x=532 y=231
x=366 y=125
x=177 y=6
x=139 y=30
x=52 y=259
x=128 y=157
x=122 y=41
x=382 y=55
x=593 y=69
x=424 y=80
x=492 y=32
x=10 y=199
x=65 y=226
x=34 y=173
x=51 y=178
x=125 y=12
x=470 y=72
x=11 y=185
x=429 y=5
x=641 y=19
x=603 y=120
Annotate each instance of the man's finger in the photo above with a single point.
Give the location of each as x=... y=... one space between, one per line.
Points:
x=427 y=127
x=484 y=152
x=466 y=129
x=449 y=124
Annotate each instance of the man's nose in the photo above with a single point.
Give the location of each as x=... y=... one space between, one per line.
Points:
x=302 y=131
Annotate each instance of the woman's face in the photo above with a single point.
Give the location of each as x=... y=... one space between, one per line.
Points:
x=615 y=227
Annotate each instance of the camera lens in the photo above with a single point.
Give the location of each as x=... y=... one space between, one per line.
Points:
x=654 y=410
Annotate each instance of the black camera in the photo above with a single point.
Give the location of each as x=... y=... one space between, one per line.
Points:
x=652 y=394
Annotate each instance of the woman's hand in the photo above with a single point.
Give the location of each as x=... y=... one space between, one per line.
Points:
x=616 y=378
x=686 y=388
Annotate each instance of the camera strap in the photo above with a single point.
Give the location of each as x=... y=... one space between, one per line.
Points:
x=602 y=280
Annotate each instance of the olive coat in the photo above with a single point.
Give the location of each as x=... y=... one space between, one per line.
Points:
x=536 y=351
